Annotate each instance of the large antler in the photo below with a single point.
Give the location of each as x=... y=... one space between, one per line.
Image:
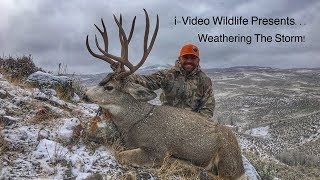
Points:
x=118 y=63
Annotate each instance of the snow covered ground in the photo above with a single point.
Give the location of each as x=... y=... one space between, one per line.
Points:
x=33 y=147
x=38 y=147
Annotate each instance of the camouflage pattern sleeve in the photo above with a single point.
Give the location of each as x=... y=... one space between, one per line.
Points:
x=207 y=102
x=153 y=82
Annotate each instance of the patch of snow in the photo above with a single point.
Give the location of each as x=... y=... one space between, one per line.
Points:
x=38 y=94
x=222 y=94
x=12 y=118
x=155 y=67
x=257 y=79
x=245 y=109
x=75 y=98
x=48 y=152
x=45 y=78
x=66 y=130
x=297 y=89
x=250 y=171
x=18 y=101
x=5 y=85
x=49 y=92
x=260 y=132
x=82 y=176
x=21 y=138
x=102 y=124
x=83 y=161
x=156 y=101
x=3 y=91
x=89 y=110
x=43 y=134
x=21 y=168
x=304 y=71
x=17 y=91
x=58 y=101
x=56 y=109
x=2 y=112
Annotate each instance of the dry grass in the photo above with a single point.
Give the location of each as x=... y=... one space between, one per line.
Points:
x=3 y=144
x=57 y=158
x=79 y=89
x=14 y=81
x=269 y=169
x=177 y=168
x=17 y=69
x=64 y=91
x=76 y=135
x=117 y=146
x=44 y=114
x=171 y=168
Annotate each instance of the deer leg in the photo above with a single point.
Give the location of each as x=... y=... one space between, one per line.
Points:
x=139 y=158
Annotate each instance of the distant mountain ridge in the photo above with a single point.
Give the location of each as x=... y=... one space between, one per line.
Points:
x=93 y=79
x=155 y=67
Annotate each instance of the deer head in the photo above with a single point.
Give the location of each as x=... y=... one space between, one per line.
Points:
x=117 y=87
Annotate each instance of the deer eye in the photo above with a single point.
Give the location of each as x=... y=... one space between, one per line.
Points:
x=108 y=88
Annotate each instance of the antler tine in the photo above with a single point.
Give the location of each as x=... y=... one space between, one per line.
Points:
x=124 y=46
x=146 y=32
x=147 y=49
x=154 y=36
x=106 y=56
x=129 y=38
x=102 y=57
x=104 y=34
x=120 y=36
x=131 y=31
x=118 y=63
x=132 y=28
x=121 y=68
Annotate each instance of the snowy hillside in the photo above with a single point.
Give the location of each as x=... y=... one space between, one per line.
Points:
x=39 y=139
x=34 y=145
x=275 y=114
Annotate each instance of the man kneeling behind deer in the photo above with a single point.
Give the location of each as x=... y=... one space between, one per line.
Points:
x=154 y=132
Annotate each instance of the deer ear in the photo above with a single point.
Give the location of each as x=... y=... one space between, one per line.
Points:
x=140 y=93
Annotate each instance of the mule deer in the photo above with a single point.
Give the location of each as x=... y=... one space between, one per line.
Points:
x=154 y=132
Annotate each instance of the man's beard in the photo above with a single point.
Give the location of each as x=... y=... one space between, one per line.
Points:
x=189 y=66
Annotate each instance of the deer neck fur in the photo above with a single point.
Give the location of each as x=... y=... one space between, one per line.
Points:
x=128 y=113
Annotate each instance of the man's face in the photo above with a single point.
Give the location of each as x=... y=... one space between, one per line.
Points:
x=189 y=62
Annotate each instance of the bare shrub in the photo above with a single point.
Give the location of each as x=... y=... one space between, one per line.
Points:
x=64 y=91
x=45 y=114
x=3 y=143
x=79 y=89
x=294 y=158
x=176 y=168
x=58 y=158
x=18 y=69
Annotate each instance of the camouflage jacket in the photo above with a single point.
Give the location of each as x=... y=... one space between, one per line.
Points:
x=191 y=91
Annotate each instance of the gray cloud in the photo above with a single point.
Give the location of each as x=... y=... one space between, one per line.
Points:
x=54 y=32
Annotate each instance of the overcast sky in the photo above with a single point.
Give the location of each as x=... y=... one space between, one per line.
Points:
x=54 y=31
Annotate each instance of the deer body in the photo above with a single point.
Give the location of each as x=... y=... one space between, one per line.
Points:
x=154 y=132
x=159 y=131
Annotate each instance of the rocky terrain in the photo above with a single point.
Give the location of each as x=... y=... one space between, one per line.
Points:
x=275 y=113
